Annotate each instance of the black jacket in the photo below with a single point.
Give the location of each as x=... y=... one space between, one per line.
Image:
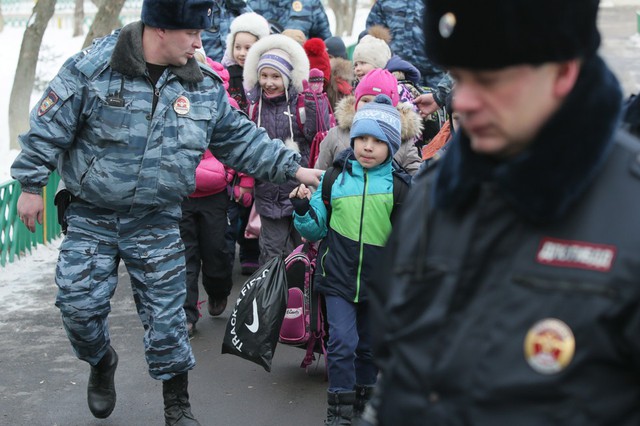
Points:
x=516 y=300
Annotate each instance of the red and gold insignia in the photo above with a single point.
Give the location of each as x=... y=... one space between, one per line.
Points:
x=47 y=103
x=182 y=105
x=297 y=6
x=549 y=346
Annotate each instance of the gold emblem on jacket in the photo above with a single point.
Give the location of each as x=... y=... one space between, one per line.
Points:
x=549 y=346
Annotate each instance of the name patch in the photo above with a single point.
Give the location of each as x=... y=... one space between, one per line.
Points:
x=576 y=254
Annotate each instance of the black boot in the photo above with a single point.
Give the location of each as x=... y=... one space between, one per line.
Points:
x=363 y=395
x=101 y=390
x=177 y=410
x=340 y=409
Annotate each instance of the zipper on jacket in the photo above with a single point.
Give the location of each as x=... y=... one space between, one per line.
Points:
x=360 y=255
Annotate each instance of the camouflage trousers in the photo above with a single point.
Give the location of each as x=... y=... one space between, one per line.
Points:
x=150 y=246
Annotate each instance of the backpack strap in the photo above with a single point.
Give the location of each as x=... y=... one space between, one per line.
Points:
x=400 y=191
x=330 y=177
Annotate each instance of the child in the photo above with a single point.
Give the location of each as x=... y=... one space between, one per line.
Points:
x=353 y=239
x=376 y=82
x=245 y=30
x=275 y=73
x=370 y=53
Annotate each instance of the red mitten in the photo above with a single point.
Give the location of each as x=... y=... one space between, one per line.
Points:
x=244 y=198
x=316 y=80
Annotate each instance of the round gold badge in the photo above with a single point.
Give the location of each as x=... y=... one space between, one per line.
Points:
x=182 y=105
x=549 y=346
x=447 y=24
x=297 y=6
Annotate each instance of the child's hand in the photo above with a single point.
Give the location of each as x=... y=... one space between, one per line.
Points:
x=301 y=192
x=243 y=196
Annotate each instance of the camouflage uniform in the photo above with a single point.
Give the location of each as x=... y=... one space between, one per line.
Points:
x=404 y=20
x=307 y=16
x=129 y=165
x=215 y=38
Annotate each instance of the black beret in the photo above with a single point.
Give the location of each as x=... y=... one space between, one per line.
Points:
x=177 y=14
x=491 y=34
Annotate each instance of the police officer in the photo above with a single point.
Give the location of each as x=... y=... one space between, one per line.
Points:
x=307 y=16
x=515 y=299
x=214 y=38
x=126 y=122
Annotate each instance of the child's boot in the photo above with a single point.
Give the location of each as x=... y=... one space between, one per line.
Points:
x=363 y=395
x=340 y=409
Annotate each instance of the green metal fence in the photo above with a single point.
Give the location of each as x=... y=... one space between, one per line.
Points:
x=15 y=238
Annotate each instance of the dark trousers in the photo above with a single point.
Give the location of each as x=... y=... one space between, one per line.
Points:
x=202 y=228
x=349 y=354
x=249 y=249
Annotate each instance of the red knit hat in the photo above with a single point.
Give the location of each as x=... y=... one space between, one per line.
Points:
x=378 y=82
x=318 y=57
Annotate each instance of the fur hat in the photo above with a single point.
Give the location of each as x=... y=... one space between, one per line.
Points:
x=318 y=57
x=336 y=47
x=251 y=23
x=295 y=34
x=298 y=60
x=177 y=14
x=493 y=34
x=378 y=82
x=380 y=120
x=373 y=51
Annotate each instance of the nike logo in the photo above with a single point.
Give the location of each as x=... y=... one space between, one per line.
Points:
x=253 y=327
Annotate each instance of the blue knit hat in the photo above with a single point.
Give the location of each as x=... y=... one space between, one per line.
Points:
x=177 y=14
x=336 y=47
x=379 y=119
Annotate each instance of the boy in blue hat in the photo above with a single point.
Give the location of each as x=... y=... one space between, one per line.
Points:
x=353 y=236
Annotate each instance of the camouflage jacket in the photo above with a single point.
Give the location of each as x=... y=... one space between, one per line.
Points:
x=404 y=20
x=214 y=40
x=307 y=16
x=95 y=123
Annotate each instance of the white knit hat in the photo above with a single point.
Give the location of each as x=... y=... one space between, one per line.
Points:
x=373 y=51
x=249 y=22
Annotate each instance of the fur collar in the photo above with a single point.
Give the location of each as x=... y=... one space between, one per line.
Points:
x=542 y=182
x=128 y=56
x=410 y=120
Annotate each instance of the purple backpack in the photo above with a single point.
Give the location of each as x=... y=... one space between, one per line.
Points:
x=303 y=325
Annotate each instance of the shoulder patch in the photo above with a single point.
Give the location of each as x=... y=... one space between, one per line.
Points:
x=47 y=103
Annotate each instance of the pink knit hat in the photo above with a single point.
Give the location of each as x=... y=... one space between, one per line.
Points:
x=378 y=82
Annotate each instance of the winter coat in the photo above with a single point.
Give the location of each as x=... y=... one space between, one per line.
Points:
x=214 y=39
x=404 y=20
x=307 y=16
x=361 y=203
x=338 y=139
x=129 y=158
x=236 y=89
x=515 y=299
x=281 y=116
x=212 y=176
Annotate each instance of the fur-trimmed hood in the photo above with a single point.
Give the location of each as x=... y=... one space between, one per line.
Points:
x=543 y=181
x=410 y=120
x=342 y=68
x=299 y=60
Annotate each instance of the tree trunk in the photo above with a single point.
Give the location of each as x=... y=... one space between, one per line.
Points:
x=1 y=18
x=78 y=18
x=345 y=13
x=106 y=20
x=26 y=69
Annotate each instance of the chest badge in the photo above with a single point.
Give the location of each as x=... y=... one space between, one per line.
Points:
x=549 y=346
x=297 y=6
x=576 y=254
x=182 y=105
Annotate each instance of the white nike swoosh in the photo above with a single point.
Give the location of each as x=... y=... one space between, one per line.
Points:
x=253 y=327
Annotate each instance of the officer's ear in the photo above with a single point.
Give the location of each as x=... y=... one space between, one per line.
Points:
x=567 y=73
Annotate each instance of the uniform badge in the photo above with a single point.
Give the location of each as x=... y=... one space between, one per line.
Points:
x=549 y=346
x=447 y=24
x=182 y=105
x=209 y=12
x=576 y=254
x=47 y=103
x=297 y=6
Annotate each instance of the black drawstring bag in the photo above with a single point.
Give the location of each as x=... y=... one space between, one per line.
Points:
x=254 y=325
